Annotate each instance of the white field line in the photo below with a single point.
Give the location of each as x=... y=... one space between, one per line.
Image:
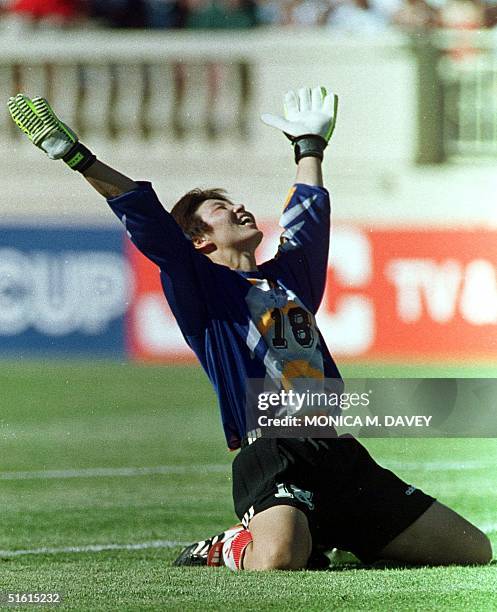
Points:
x=91 y=548
x=103 y=472
x=488 y=528
x=436 y=466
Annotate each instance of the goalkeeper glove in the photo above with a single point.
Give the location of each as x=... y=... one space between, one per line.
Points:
x=309 y=121
x=45 y=130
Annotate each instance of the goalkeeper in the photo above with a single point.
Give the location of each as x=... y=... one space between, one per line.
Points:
x=295 y=496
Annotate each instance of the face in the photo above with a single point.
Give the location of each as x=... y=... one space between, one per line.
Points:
x=231 y=226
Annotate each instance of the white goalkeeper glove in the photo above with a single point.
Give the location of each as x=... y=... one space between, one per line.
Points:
x=45 y=130
x=309 y=121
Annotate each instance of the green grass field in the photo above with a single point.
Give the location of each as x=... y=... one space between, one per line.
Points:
x=72 y=438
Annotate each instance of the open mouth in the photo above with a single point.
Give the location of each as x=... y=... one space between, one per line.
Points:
x=246 y=219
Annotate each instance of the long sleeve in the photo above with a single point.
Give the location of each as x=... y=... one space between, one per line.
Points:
x=157 y=235
x=305 y=240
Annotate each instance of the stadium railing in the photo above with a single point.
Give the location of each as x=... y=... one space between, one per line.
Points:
x=151 y=103
x=169 y=86
x=467 y=73
x=166 y=87
x=184 y=108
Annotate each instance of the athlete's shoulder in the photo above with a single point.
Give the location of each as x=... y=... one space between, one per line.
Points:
x=304 y=202
x=302 y=190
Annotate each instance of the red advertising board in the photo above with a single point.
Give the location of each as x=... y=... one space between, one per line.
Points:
x=402 y=294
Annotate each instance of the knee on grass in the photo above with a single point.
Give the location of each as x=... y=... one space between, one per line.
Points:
x=479 y=552
x=279 y=557
x=440 y=536
x=471 y=547
x=281 y=540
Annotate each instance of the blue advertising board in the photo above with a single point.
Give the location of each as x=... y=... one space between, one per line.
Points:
x=63 y=291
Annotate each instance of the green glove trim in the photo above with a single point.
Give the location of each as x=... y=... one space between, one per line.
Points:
x=45 y=130
x=50 y=120
x=333 y=122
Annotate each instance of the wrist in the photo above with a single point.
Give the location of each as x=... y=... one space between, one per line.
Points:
x=79 y=157
x=309 y=172
x=309 y=145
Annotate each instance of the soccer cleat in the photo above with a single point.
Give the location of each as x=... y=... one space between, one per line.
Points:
x=194 y=554
x=207 y=552
x=233 y=549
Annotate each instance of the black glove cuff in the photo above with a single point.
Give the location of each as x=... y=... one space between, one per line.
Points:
x=309 y=145
x=79 y=158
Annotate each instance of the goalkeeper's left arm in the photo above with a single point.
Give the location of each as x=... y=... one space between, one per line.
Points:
x=37 y=120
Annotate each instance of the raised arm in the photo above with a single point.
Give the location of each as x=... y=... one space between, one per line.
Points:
x=108 y=182
x=309 y=172
x=150 y=227
x=309 y=120
x=37 y=120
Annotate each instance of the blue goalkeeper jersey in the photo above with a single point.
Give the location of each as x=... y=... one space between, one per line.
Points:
x=242 y=325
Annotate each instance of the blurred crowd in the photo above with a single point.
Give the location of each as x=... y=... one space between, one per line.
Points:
x=346 y=15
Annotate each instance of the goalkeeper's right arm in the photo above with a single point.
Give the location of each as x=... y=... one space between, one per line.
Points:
x=108 y=182
x=37 y=120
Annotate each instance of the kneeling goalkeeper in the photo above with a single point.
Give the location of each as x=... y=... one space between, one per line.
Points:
x=244 y=321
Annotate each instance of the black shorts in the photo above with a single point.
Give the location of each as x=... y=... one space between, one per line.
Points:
x=351 y=502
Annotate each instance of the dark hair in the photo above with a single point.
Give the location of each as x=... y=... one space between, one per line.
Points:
x=185 y=209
